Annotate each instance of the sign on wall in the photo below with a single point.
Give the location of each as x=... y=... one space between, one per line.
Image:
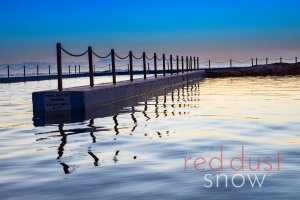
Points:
x=57 y=101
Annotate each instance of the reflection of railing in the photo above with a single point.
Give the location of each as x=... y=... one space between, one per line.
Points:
x=149 y=108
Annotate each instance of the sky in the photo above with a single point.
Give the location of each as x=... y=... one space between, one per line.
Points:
x=209 y=29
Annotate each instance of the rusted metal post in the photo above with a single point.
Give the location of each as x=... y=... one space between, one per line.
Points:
x=182 y=64
x=130 y=66
x=164 y=65
x=155 y=65
x=59 y=67
x=177 y=64
x=144 y=66
x=187 y=63
x=113 y=66
x=171 y=64
x=91 y=70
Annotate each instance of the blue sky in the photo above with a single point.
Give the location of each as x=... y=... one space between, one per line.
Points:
x=220 y=29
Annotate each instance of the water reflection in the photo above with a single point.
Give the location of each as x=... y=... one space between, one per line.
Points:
x=162 y=103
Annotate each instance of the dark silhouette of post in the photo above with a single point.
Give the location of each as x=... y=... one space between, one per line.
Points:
x=182 y=64
x=266 y=61
x=144 y=66
x=296 y=60
x=8 y=71
x=59 y=67
x=155 y=65
x=49 y=69
x=280 y=60
x=177 y=64
x=187 y=63
x=69 y=69
x=78 y=69
x=130 y=66
x=91 y=69
x=113 y=66
x=164 y=65
x=252 y=63
x=194 y=63
x=75 y=69
x=37 y=70
x=256 y=61
x=230 y=62
x=209 y=64
x=24 y=71
x=171 y=64
x=191 y=63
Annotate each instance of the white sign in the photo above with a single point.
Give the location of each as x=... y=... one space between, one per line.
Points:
x=57 y=101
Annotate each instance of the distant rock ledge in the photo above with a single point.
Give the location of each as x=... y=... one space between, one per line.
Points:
x=276 y=69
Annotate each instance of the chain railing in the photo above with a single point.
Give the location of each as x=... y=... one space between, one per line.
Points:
x=168 y=64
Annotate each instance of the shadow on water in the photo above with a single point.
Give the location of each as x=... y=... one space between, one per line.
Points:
x=158 y=104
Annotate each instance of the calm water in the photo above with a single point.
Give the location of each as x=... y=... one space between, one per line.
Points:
x=139 y=151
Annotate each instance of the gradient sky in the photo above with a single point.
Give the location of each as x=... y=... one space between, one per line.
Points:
x=220 y=29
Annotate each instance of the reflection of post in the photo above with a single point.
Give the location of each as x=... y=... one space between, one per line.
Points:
x=96 y=159
x=116 y=124
x=156 y=107
x=91 y=124
x=145 y=109
x=63 y=141
x=134 y=119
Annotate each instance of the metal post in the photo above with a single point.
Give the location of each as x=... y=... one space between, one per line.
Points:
x=49 y=70
x=113 y=65
x=252 y=62
x=144 y=66
x=7 y=71
x=130 y=66
x=191 y=63
x=256 y=61
x=91 y=70
x=182 y=64
x=75 y=69
x=209 y=64
x=69 y=69
x=59 y=67
x=155 y=65
x=177 y=64
x=164 y=65
x=24 y=72
x=230 y=63
x=194 y=63
x=37 y=70
x=187 y=63
x=171 y=64
x=78 y=69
